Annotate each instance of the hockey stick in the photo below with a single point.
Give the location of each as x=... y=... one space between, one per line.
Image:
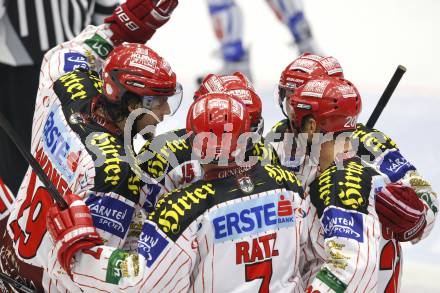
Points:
x=16 y=284
x=386 y=95
x=7 y=127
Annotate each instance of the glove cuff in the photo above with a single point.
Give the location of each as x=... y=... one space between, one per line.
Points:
x=126 y=27
x=66 y=260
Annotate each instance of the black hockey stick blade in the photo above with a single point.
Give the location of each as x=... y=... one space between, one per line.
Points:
x=7 y=127
x=17 y=285
x=387 y=93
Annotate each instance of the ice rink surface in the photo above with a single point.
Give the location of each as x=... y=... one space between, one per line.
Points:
x=369 y=38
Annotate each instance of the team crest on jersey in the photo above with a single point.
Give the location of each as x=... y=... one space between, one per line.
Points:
x=246 y=184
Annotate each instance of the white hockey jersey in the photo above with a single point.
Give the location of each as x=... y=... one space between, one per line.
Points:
x=77 y=153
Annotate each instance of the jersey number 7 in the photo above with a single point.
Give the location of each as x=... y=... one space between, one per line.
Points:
x=260 y=270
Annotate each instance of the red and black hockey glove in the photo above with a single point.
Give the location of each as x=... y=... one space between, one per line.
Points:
x=136 y=21
x=71 y=230
x=401 y=212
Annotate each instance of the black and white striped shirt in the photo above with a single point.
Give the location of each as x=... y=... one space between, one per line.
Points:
x=29 y=28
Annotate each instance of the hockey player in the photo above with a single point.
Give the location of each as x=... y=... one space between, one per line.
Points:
x=227 y=21
x=169 y=159
x=382 y=153
x=79 y=125
x=345 y=223
x=231 y=234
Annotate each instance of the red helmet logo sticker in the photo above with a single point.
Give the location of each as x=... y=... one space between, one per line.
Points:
x=331 y=65
x=304 y=65
x=237 y=109
x=198 y=109
x=315 y=88
x=347 y=91
x=243 y=95
x=144 y=62
x=214 y=84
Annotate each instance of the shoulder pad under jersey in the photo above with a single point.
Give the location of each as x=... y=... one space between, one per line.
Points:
x=371 y=142
x=277 y=131
x=347 y=187
x=163 y=153
x=77 y=85
x=112 y=172
x=265 y=153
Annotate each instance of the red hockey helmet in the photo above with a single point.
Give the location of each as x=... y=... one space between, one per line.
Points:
x=137 y=69
x=302 y=69
x=239 y=86
x=216 y=121
x=334 y=103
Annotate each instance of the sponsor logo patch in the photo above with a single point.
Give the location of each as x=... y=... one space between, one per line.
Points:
x=152 y=193
x=73 y=60
x=348 y=189
x=57 y=144
x=172 y=214
x=327 y=277
x=109 y=148
x=252 y=217
x=110 y=215
x=99 y=45
x=114 y=273
x=340 y=223
x=151 y=243
x=395 y=166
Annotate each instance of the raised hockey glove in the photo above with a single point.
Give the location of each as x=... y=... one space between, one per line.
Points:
x=136 y=21
x=71 y=230
x=401 y=212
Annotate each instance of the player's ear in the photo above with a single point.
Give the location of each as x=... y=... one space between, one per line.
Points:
x=133 y=106
x=311 y=126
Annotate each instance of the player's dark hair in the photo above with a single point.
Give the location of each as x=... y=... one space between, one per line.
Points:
x=118 y=111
